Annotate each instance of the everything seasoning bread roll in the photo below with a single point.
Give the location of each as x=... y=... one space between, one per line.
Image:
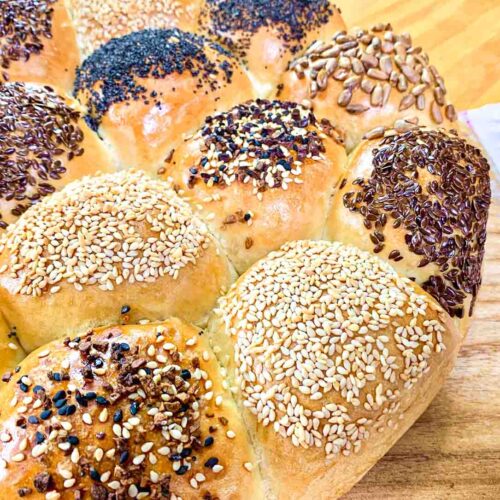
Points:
x=368 y=78
x=77 y=257
x=260 y=175
x=335 y=356
x=44 y=145
x=37 y=43
x=419 y=199
x=124 y=412
x=146 y=90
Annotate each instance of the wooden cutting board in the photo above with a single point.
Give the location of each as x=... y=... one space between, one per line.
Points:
x=453 y=451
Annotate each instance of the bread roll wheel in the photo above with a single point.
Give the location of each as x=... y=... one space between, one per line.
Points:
x=335 y=356
x=99 y=21
x=44 y=145
x=368 y=78
x=266 y=35
x=11 y=353
x=37 y=43
x=420 y=200
x=261 y=174
x=120 y=412
x=146 y=90
x=106 y=249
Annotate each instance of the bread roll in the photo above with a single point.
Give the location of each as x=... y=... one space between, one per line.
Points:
x=146 y=90
x=420 y=200
x=368 y=78
x=261 y=174
x=37 y=43
x=124 y=412
x=266 y=35
x=105 y=249
x=98 y=21
x=44 y=144
x=11 y=353
x=335 y=357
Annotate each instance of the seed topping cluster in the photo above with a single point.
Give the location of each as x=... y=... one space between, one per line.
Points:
x=375 y=63
x=444 y=219
x=113 y=73
x=143 y=401
x=98 y=21
x=316 y=320
x=291 y=19
x=261 y=142
x=106 y=231
x=24 y=24
x=39 y=135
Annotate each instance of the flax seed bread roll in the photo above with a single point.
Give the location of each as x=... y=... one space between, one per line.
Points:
x=368 y=78
x=144 y=91
x=265 y=35
x=11 y=353
x=121 y=412
x=335 y=356
x=99 y=21
x=44 y=145
x=105 y=245
x=37 y=43
x=261 y=174
x=420 y=200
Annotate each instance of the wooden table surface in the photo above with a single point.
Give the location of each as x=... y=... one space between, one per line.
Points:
x=453 y=451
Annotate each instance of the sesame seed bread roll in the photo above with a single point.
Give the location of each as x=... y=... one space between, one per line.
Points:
x=265 y=35
x=368 y=78
x=124 y=412
x=37 y=43
x=99 y=21
x=11 y=353
x=335 y=356
x=419 y=199
x=44 y=144
x=146 y=90
x=104 y=245
x=260 y=175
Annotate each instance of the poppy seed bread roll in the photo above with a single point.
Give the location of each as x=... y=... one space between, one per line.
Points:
x=38 y=43
x=335 y=356
x=110 y=242
x=261 y=174
x=44 y=145
x=124 y=412
x=266 y=35
x=364 y=79
x=419 y=198
x=146 y=90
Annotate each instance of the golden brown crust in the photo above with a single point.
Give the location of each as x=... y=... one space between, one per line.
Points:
x=45 y=145
x=120 y=409
x=384 y=206
x=58 y=56
x=177 y=79
x=368 y=78
x=130 y=241
x=11 y=353
x=266 y=35
x=332 y=352
x=248 y=215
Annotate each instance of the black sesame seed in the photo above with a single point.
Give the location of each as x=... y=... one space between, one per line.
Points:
x=33 y=420
x=39 y=438
x=90 y=395
x=37 y=389
x=45 y=414
x=125 y=309
x=211 y=462
x=101 y=400
x=94 y=474
x=134 y=408
x=59 y=395
x=124 y=457
x=186 y=374
x=118 y=416
x=209 y=441
x=181 y=470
